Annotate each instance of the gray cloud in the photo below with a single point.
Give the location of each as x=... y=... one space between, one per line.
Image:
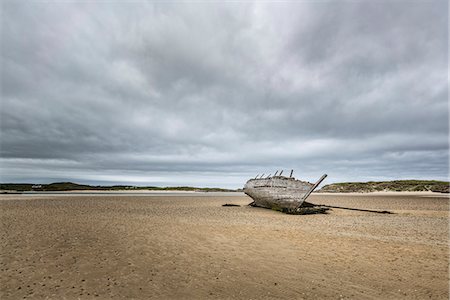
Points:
x=210 y=94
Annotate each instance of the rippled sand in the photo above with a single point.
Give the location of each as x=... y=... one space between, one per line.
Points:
x=107 y=246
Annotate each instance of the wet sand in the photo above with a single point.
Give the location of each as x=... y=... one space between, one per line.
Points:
x=186 y=246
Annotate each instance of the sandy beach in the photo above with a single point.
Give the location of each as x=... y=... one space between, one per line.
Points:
x=190 y=247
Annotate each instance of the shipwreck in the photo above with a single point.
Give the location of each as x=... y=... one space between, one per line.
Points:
x=282 y=193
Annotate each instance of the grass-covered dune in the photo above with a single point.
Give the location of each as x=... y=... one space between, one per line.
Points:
x=345 y=187
x=390 y=186
x=70 y=186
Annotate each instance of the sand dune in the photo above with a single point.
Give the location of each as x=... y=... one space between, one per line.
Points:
x=143 y=247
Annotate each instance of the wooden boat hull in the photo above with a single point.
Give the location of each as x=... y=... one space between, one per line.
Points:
x=279 y=192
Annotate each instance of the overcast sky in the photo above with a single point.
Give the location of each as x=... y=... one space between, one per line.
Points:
x=153 y=93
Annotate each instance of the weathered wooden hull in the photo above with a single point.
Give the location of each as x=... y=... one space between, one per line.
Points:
x=279 y=192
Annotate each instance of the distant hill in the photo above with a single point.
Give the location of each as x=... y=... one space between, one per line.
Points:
x=391 y=186
x=345 y=187
x=70 y=186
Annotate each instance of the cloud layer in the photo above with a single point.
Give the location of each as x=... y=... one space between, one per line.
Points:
x=210 y=94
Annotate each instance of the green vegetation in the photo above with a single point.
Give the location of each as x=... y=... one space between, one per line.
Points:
x=70 y=186
x=345 y=187
x=20 y=187
x=394 y=186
